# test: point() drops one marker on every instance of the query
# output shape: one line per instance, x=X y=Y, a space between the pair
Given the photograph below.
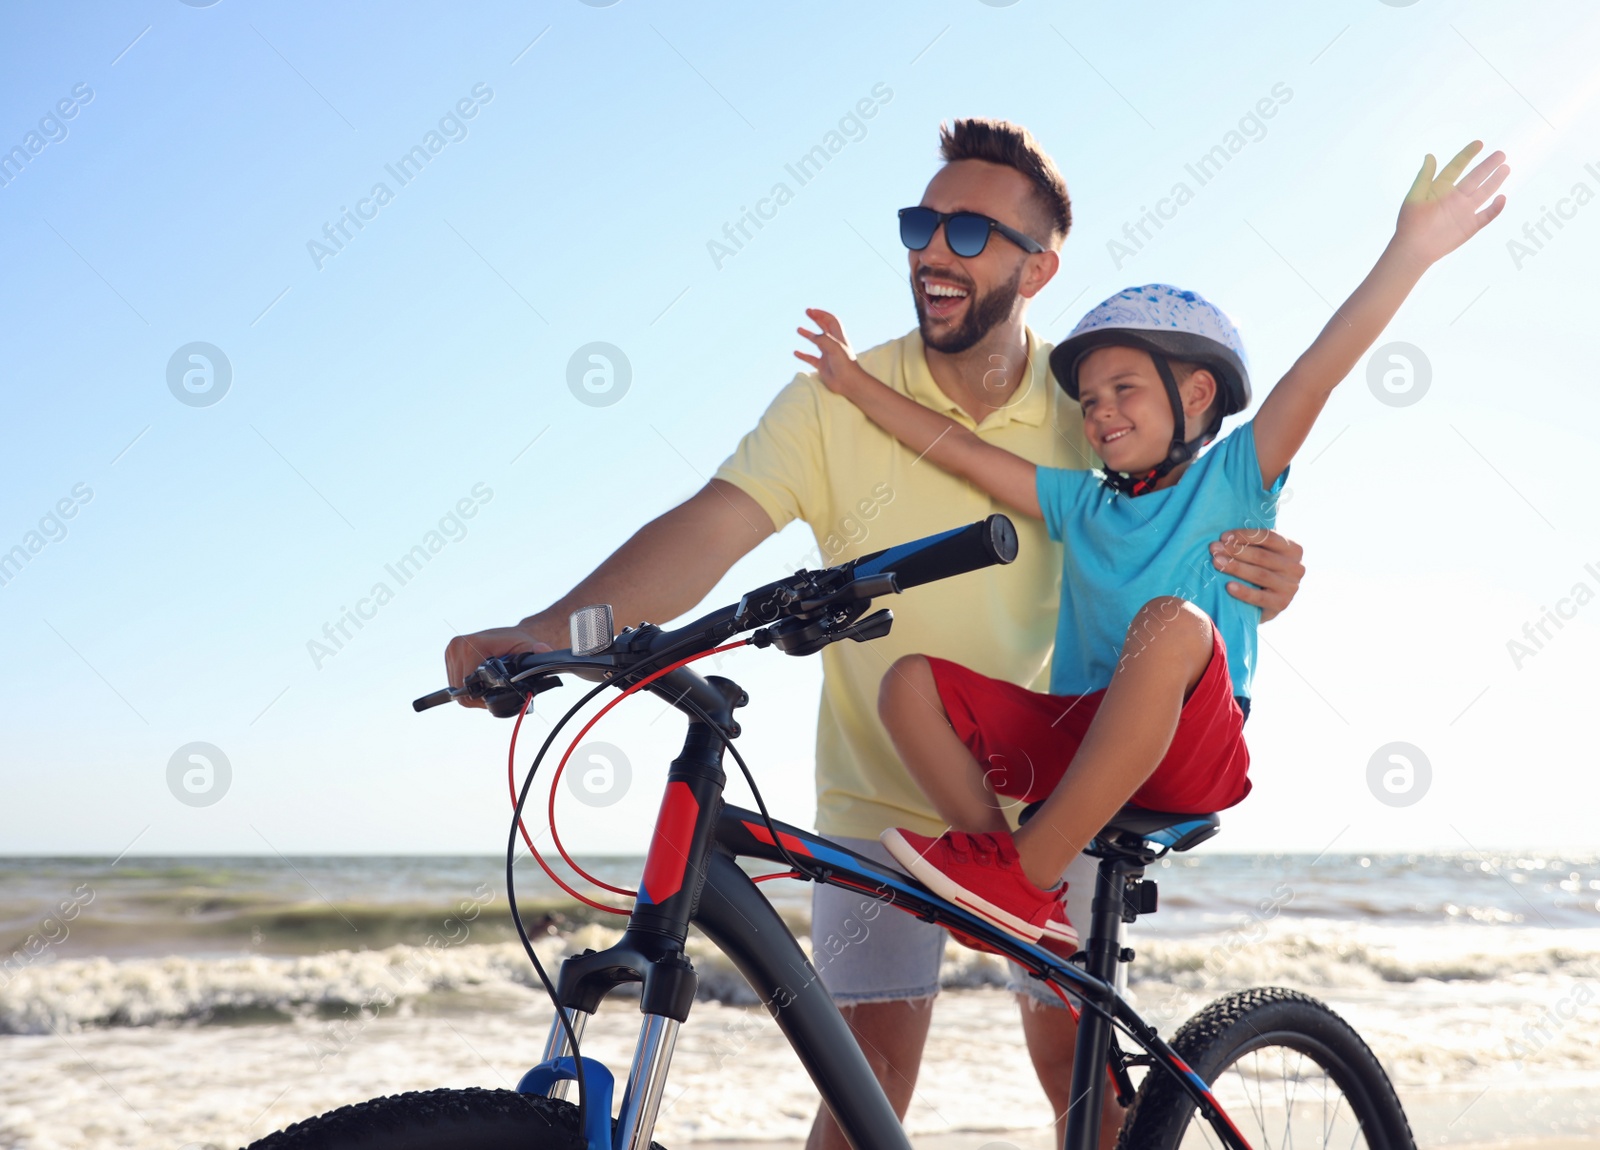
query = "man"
x=815 y=457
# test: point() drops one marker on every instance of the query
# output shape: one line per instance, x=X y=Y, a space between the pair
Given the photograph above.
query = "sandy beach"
x=734 y=1084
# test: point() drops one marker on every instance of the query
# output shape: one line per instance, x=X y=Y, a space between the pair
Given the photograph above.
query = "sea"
x=204 y=1002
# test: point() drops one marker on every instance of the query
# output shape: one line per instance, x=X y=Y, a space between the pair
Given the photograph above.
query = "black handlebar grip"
x=982 y=544
x=434 y=700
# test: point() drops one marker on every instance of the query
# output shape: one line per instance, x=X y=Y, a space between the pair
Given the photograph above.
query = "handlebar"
x=981 y=544
x=799 y=615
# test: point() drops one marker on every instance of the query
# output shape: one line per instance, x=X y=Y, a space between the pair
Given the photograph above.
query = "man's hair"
x=1013 y=146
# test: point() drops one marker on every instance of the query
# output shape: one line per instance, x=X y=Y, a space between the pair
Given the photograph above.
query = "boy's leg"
x=1168 y=647
x=919 y=726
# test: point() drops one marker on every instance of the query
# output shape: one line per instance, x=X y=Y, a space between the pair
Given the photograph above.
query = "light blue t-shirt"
x=1122 y=551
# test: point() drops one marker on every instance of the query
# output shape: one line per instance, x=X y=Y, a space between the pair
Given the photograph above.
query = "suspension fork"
x=556 y=1046
x=651 y=950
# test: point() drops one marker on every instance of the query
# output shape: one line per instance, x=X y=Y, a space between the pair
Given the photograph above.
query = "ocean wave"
x=1347 y=960
x=76 y=994
x=73 y=994
x=152 y=925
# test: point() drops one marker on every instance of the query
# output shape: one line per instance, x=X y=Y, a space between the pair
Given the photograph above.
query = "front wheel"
x=1285 y=1068
x=439 y=1120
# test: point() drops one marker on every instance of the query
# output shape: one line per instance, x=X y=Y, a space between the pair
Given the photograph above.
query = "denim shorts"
x=867 y=951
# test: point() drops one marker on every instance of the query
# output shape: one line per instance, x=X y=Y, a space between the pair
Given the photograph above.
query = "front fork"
x=647 y=1077
x=557 y=1046
x=651 y=949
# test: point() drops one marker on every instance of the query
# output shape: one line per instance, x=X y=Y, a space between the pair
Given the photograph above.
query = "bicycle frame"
x=691 y=876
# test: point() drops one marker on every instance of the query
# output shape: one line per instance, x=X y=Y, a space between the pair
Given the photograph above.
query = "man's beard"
x=984 y=313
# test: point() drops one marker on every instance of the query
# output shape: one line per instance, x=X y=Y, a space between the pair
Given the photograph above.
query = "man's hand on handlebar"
x=465 y=652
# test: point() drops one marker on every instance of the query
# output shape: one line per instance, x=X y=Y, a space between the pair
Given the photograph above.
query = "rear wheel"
x=1285 y=1068
x=439 y=1120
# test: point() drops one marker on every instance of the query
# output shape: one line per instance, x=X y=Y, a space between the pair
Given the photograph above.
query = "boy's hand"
x=835 y=362
x=1440 y=214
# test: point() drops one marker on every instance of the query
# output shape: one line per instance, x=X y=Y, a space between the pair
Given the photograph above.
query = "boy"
x=1143 y=710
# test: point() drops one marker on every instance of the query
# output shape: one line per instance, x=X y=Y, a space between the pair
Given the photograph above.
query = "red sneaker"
x=981 y=873
x=971 y=942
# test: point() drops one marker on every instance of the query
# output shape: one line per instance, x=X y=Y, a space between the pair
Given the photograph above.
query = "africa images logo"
x=199 y=374
x=1399 y=774
x=1398 y=374
x=199 y=774
x=599 y=374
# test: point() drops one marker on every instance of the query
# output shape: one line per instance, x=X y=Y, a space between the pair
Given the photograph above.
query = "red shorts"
x=1025 y=739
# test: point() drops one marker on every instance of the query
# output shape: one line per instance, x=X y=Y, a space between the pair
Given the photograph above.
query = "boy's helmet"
x=1168 y=323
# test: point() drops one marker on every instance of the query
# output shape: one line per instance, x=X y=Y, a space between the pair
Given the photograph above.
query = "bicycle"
x=1324 y=1086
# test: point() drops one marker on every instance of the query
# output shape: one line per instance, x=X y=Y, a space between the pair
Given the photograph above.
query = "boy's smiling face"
x=1126 y=413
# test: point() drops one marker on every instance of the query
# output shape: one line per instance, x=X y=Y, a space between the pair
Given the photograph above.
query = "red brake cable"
x=511 y=769
x=776 y=874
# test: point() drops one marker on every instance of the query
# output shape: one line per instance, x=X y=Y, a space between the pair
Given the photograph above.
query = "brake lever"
x=874 y=626
x=799 y=636
x=494 y=683
x=857 y=590
x=492 y=675
x=437 y=699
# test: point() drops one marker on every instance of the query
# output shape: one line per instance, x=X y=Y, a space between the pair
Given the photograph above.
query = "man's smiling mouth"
x=941 y=297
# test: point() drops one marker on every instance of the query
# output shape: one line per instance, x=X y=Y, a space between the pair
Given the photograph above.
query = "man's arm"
x=1263 y=567
x=941 y=441
x=665 y=569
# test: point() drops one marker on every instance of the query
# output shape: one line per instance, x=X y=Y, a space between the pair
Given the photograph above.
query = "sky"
x=240 y=382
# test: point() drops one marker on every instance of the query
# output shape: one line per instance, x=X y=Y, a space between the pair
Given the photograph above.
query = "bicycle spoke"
x=1327 y=1128
x=1289 y=1094
x=1330 y=1119
x=1258 y=1107
x=1288 y=1111
x=1306 y=1108
x=1287 y=1070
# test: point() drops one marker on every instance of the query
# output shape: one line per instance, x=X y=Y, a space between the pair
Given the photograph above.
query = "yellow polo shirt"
x=815 y=456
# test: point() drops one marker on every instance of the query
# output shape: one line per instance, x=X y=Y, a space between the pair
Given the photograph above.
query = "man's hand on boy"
x=835 y=361
x=1263 y=568
x=1440 y=213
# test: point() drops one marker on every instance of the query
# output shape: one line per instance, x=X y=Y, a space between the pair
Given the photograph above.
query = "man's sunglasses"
x=967 y=233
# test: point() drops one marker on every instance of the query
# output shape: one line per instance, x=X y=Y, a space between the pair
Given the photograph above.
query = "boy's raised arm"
x=942 y=441
x=1438 y=216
